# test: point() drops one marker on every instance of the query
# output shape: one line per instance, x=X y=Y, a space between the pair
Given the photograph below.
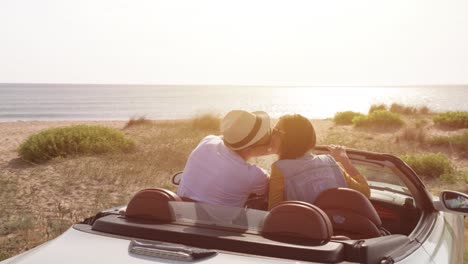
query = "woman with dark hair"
x=300 y=175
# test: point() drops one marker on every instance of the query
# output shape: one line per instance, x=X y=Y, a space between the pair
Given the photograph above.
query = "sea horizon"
x=90 y=102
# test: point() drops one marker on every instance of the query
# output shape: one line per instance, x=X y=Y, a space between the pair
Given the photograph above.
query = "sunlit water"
x=108 y=102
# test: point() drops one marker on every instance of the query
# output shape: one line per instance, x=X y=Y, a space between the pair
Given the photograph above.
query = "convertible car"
x=400 y=223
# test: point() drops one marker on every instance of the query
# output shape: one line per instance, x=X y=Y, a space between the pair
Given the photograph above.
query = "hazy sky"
x=235 y=42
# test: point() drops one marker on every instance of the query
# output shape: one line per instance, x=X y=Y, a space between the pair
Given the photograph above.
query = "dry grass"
x=38 y=202
x=414 y=134
x=458 y=142
x=206 y=122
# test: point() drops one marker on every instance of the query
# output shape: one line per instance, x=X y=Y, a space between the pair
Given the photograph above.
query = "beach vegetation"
x=345 y=118
x=137 y=121
x=403 y=109
x=72 y=140
x=414 y=134
x=377 y=107
x=424 y=110
x=452 y=119
x=206 y=122
x=14 y=223
x=379 y=119
x=456 y=142
x=430 y=165
x=420 y=123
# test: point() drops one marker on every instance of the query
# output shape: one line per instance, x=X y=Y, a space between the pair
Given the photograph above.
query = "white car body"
x=79 y=247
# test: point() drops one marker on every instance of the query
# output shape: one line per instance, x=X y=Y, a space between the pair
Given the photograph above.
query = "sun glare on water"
x=326 y=101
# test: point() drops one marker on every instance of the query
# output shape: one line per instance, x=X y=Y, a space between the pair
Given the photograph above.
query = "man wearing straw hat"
x=217 y=171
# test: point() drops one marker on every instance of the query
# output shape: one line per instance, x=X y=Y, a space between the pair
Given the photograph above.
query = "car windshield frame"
x=415 y=186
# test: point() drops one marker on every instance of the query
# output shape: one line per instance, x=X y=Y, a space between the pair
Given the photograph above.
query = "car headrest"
x=349 y=200
x=152 y=204
x=297 y=222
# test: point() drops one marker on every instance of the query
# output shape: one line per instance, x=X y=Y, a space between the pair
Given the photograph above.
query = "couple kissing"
x=217 y=171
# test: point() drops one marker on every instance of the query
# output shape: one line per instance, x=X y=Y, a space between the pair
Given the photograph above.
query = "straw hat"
x=241 y=129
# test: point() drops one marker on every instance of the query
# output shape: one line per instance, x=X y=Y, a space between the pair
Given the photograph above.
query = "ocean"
x=27 y=102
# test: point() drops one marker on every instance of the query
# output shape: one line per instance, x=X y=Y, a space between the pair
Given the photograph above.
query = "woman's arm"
x=357 y=183
x=352 y=176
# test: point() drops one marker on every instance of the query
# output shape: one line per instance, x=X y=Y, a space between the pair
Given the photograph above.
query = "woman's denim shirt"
x=305 y=178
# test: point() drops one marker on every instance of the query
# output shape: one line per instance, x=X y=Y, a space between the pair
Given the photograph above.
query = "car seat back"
x=152 y=204
x=297 y=222
x=351 y=213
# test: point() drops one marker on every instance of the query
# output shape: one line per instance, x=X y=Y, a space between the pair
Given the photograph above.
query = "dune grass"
x=345 y=118
x=452 y=120
x=401 y=109
x=457 y=142
x=72 y=140
x=382 y=117
x=379 y=120
x=430 y=165
x=424 y=110
x=377 y=107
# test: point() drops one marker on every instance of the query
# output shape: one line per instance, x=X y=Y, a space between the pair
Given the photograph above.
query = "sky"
x=334 y=43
